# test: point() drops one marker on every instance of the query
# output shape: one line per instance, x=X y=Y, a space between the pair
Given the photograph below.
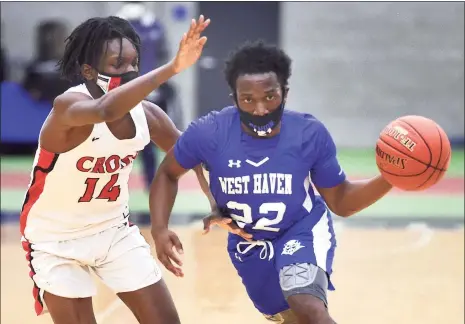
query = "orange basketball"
x=413 y=153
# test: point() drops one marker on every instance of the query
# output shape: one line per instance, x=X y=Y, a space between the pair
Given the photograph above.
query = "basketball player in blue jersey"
x=262 y=159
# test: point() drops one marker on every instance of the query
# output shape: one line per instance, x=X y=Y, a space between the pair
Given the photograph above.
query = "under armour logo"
x=292 y=247
x=236 y=164
x=238 y=257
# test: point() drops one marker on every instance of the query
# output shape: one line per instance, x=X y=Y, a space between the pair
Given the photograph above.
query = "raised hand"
x=191 y=45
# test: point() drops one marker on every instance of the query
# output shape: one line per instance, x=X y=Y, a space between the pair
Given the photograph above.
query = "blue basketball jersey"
x=264 y=183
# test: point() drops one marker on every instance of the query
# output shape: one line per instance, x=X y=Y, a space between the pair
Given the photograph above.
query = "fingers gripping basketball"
x=413 y=153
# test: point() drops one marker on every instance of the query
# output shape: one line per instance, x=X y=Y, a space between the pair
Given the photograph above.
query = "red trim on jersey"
x=38 y=303
x=45 y=164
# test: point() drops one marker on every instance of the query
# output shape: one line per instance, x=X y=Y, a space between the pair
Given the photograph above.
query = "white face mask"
x=111 y=81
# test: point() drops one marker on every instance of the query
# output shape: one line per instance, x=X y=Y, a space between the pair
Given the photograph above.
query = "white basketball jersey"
x=85 y=190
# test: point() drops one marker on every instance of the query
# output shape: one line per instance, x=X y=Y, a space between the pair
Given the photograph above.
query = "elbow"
x=171 y=177
x=165 y=175
x=345 y=213
x=107 y=113
x=198 y=171
x=342 y=211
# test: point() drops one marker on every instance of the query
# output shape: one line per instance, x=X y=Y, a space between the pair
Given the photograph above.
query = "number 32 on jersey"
x=263 y=224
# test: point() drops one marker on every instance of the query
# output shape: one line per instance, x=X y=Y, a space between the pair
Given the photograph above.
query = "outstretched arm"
x=74 y=109
x=343 y=197
x=350 y=197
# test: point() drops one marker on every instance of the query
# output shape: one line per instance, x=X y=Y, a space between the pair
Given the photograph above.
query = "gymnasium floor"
x=401 y=261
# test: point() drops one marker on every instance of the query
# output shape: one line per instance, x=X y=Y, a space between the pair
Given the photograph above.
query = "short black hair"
x=256 y=58
x=85 y=44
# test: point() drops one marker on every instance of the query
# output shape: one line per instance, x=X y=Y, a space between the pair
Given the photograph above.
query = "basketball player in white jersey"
x=75 y=214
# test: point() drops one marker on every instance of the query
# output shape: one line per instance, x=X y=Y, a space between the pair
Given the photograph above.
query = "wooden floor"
x=414 y=275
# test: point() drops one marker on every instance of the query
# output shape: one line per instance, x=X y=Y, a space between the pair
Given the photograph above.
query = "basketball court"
x=410 y=275
x=400 y=262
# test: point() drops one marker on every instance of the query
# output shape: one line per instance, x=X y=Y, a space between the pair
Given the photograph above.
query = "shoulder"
x=308 y=123
x=79 y=89
x=221 y=115
x=228 y=111
x=312 y=125
x=72 y=95
x=303 y=118
x=214 y=120
x=152 y=111
x=68 y=98
x=314 y=134
x=210 y=129
x=224 y=118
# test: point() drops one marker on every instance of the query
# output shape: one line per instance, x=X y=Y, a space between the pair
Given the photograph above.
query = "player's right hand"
x=225 y=223
x=191 y=45
x=166 y=242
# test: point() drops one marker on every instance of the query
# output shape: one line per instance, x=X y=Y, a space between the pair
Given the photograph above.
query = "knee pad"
x=285 y=317
x=304 y=278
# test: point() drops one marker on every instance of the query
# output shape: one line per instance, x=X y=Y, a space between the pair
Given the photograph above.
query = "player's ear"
x=285 y=93
x=88 y=72
x=233 y=97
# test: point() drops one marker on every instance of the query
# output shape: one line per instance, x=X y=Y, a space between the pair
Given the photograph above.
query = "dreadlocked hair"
x=257 y=58
x=85 y=45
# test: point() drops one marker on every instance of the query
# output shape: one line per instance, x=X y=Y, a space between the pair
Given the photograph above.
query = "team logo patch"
x=291 y=247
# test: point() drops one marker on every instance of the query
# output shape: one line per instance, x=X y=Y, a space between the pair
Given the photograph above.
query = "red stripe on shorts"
x=38 y=303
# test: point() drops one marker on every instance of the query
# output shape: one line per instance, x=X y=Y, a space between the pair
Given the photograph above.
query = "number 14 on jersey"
x=110 y=191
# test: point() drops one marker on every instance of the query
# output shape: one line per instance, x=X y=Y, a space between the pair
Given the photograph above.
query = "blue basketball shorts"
x=258 y=263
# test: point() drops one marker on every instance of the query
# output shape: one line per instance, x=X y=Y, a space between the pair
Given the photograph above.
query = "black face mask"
x=262 y=125
x=108 y=82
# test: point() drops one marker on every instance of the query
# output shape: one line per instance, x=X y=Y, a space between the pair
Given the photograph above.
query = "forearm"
x=358 y=195
x=204 y=185
x=119 y=101
x=163 y=193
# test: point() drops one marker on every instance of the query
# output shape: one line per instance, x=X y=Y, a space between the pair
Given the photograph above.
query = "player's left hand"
x=216 y=218
x=191 y=45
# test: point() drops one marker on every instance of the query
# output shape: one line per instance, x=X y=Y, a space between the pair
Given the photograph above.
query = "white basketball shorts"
x=119 y=256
